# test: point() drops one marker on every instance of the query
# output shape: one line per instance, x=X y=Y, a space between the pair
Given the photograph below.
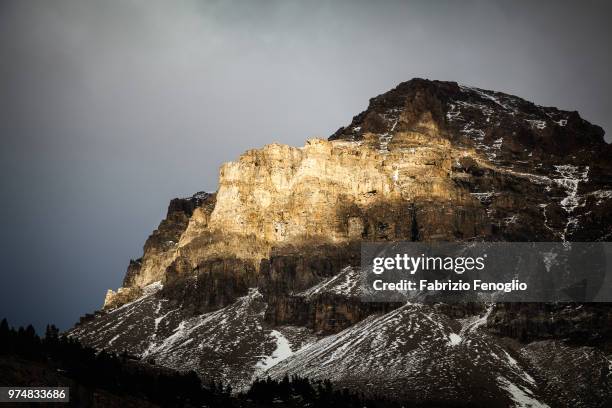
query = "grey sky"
x=110 y=108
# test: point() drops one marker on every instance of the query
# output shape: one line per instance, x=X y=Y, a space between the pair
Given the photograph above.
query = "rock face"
x=161 y=247
x=278 y=245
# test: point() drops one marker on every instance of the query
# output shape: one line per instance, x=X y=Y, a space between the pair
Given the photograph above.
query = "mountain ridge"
x=278 y=244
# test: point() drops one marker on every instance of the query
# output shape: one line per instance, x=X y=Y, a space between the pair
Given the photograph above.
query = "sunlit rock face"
x=278 y=242
x=279 y=199
x=160 y=250
x=427 y=160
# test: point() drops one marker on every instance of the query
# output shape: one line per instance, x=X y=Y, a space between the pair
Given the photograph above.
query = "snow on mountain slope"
x=346 y=283
x=231 y=344
x=417 y=353
x=126 y=328
x=226 y=344
x=567 y=382
x=414 y=352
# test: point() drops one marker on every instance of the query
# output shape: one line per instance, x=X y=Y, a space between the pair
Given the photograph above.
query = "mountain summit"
x=260 y=277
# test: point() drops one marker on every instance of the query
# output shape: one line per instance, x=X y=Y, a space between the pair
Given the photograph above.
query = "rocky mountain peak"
x=504 y=126
x=278 y=246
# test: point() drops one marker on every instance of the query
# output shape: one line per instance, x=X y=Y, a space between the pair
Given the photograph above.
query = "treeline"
x=302 y=392
x=118 y=374
x=126 y=376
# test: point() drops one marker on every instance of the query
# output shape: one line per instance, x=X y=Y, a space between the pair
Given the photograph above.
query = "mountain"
x=260 y=277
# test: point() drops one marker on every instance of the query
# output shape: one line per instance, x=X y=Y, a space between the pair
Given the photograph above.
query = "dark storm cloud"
x=110 y=108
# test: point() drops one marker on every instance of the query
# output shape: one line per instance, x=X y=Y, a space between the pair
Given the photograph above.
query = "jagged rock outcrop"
x=278 y=244
x=161 y=246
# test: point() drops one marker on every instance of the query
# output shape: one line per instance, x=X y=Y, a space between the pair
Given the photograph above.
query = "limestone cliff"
x=160 y=248
x=428 y=160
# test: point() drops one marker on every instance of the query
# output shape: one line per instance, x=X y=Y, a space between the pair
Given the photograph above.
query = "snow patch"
x=282 y=351
x=601 y=195
x=484 y=198
x=395 y=176
x=511 y=220
x=383 y=141
x=569 y=180
x=454 y=339
x=489 y=95
x=472 y=324
x=536 y=123
x=346 y=283
x=497 y=144
x=522 y=397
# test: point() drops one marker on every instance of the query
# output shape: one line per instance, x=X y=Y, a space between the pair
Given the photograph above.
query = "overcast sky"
x=108 y=109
